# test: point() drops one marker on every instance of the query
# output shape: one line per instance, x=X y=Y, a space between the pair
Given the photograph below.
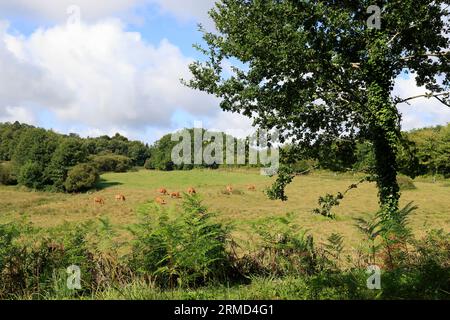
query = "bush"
x=7 y=175
x=285 y=249
x=34 y=262
x=82 y=178
x=405 y=183
x=112 y=163
x=31 y=176
x=186 y=250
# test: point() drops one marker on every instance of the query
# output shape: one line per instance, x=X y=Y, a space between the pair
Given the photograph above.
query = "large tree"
x=320 y=71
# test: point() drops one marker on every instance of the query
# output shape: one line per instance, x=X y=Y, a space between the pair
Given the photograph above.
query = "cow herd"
x=173 y=195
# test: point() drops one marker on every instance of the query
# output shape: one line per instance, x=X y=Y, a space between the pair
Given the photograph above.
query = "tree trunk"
x=386 y=171
x=384 y=133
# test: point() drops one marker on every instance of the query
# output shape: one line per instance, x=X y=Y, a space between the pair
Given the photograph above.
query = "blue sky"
x=119 y=69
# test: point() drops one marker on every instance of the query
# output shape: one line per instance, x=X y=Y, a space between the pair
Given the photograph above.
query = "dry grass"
x=241 y=208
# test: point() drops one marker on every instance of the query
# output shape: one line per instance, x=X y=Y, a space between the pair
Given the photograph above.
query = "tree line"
x=44 y=160
x=421 y=152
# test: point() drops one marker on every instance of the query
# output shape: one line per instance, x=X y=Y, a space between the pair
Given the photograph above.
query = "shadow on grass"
x=105 y=184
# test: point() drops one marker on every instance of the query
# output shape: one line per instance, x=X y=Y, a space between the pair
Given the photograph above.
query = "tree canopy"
x=318 y=72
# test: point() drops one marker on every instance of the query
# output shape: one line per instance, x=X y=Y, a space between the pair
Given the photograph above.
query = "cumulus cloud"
x=419 y=112
x=98 y=75
x=12 y=114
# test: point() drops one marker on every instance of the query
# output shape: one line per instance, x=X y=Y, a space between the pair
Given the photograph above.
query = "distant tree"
x=318 y=73
x=35 y=150
x=69 y=153
x=433 y=149
x=138 y=152
x=81 y=178
x=36 y=145
x=338 y=156
x=31 y=175
x=112 y=163
x=7 y=174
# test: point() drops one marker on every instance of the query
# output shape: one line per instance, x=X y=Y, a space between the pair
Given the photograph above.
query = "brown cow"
x=163 y=191
x=160 y=201
x=99 y=200
x=120 y=197
x=251 y=187
x=55 y=247
x=175 y=195
x=191 y=191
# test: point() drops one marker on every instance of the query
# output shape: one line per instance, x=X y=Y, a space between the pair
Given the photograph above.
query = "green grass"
x=241 y=208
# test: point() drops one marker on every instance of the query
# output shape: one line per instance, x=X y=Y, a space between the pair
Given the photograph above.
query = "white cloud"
x=12 y=114
x=99 y=76
x=56 y=10
x=420 y=112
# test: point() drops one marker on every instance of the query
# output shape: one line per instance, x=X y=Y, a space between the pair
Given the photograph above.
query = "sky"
x=119 y=69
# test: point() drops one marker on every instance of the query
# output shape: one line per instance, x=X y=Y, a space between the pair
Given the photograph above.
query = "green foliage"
x=69 y=153
x=284 y=249
x=185 y=255
x=387 y=234
x=432 y=149
x=33 y=263
x=185 y=250
x=329 y=201
x=332 y=250
x=7 y=174
x=31 y=175
x=161 y=151
x=82 y=177
x=277 y=190
x=339 y=156
x=29 y=148
x=112 y=163
x=317 y=72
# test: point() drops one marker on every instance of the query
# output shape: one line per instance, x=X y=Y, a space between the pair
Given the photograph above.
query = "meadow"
x=142 y=251
x=241 y=209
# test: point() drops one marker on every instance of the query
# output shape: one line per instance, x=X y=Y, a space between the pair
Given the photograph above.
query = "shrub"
x=185 y=250
x=31 y=176
x=284 y=249
x=34 y=262
x=405 y=183
x=7 y=175
x=81 y=178
x=112 y=163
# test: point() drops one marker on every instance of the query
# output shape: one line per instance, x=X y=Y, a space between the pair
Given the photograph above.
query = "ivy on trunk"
x=318 y=72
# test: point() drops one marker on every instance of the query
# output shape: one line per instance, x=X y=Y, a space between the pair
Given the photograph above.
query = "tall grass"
x=185 y=254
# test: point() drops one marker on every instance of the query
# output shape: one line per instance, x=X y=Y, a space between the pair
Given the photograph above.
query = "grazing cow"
x=191 y=191
x=160 y=201
x=251 y=187
x=100 y=201
x=120 y=197
x=229 y=189
x=163 y=191
x=175 y=195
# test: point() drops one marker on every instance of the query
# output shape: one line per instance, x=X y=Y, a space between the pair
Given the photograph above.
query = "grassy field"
x=241 y=209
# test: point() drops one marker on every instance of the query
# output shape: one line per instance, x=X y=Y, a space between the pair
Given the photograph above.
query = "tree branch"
x=445 y=103
x=430 y=54
x=428 y=95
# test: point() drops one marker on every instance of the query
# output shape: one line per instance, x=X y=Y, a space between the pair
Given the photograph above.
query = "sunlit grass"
x=241 y=208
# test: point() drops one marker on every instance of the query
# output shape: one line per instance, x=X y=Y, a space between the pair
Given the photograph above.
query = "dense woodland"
x=45 y=160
